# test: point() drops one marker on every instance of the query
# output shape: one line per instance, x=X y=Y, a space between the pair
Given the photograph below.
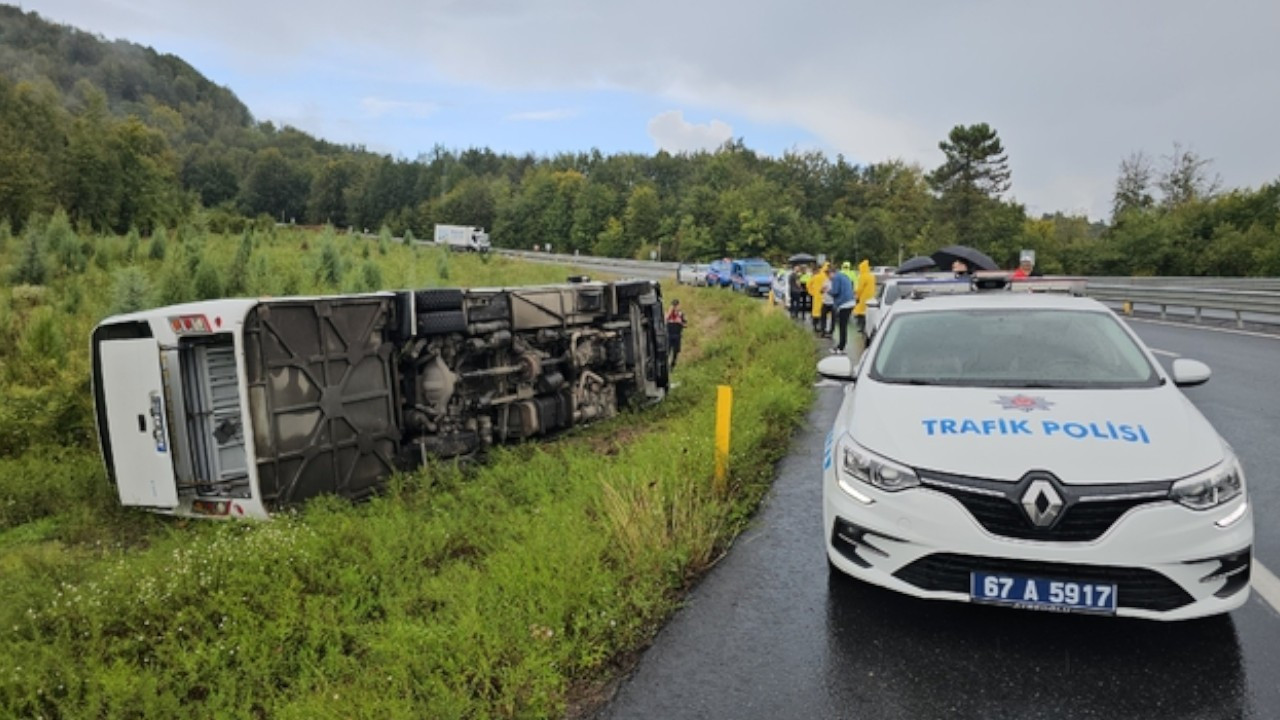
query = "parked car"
x=1026 y=449
x=720 y=273
x=692 y=273
x=752 y=276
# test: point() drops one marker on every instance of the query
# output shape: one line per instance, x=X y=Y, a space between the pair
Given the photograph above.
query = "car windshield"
x=1011 y=348
x=757 y=269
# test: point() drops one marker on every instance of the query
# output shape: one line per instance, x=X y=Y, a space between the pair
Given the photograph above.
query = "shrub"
x=260 y=281
x=330 y=268
x=208 y=281
x=237 y=276
x=61 y=239
x=30 y=269
x=43 y=340
x=159 y=239
x=132 y=242
x=175 y=283
x=384 y=240
x=131 y=291
x=371 y=276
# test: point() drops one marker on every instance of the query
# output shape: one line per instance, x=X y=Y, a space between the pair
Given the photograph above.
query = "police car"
x=1007 y=446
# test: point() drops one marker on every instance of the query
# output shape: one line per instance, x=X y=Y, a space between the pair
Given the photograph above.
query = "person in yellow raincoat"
x=863 y=291
x=815 y=287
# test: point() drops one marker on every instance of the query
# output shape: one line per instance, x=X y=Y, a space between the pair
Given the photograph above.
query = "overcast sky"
x=1072 y=86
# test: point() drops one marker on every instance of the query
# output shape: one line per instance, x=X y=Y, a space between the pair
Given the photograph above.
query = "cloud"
x=543 y=115
x=375 y=107
x=671 y=132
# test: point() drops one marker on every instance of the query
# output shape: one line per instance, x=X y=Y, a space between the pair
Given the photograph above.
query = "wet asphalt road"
x=769 y=634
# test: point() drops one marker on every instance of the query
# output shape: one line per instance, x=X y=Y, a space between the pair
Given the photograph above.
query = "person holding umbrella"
x=970 y=259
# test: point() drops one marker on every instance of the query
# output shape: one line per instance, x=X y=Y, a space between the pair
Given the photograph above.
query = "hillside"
x=135 y=79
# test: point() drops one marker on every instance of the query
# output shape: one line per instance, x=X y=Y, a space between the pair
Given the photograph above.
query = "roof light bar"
x=996 y=281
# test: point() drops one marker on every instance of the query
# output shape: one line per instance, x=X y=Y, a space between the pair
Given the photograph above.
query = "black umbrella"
x=801 y=259
x=976 y=260
x=919 y=263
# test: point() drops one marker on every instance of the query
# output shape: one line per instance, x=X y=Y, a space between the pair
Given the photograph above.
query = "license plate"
x=1041 y=593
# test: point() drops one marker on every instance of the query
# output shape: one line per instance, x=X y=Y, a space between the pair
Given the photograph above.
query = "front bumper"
x=1168 y=562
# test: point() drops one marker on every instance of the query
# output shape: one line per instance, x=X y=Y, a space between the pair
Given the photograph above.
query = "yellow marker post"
x=1128 y=308
x=724 y=411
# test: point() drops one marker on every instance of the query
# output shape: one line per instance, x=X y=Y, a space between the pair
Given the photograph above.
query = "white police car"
x=1026 y=449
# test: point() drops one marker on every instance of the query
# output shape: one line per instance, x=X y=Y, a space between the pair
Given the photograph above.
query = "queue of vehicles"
x=752 y=276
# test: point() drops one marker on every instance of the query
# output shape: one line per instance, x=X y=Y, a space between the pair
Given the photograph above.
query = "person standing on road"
x=842 y=299
x=794 y=290
x=675 y=329
x=806 y=300
x=865 y=291
x=816 y=285
x=846 y=268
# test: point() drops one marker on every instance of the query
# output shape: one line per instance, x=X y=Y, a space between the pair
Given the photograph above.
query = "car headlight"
x=1218 y=485
x=865 y=466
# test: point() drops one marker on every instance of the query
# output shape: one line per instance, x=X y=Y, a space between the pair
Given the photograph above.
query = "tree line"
x=122 y=138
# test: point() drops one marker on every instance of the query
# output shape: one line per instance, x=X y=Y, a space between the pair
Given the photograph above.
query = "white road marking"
x=1166 y=353
x=1266 y=584
x=1229 y=331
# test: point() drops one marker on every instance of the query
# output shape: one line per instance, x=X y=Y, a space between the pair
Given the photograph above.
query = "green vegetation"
x=122 y=137
x=504 y=589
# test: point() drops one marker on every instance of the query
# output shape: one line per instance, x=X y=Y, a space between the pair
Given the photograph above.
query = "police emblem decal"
x=1025 y=403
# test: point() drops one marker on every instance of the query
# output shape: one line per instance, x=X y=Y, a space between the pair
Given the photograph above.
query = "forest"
x=122 y=138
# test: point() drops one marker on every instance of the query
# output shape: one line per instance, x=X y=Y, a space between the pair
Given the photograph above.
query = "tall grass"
x=495 y=590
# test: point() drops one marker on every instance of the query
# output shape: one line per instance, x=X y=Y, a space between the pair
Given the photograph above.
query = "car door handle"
x=142 y=423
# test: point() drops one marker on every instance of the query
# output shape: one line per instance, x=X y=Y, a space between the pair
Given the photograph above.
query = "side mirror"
x=1188 y=372
x=836 y=367
x=873 y=303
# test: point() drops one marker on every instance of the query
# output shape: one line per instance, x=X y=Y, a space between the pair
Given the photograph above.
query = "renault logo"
x=1041 y=503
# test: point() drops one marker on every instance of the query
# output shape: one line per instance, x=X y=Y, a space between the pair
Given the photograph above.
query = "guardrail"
x=1267 y=284
x=1245 y=299
x=588 y=260
x=1261 y=306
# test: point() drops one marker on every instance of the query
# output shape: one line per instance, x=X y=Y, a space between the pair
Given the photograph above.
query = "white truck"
x=462 y=237
x=240 y=407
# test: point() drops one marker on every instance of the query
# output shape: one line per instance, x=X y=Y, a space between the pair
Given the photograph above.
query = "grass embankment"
x=500 y=591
